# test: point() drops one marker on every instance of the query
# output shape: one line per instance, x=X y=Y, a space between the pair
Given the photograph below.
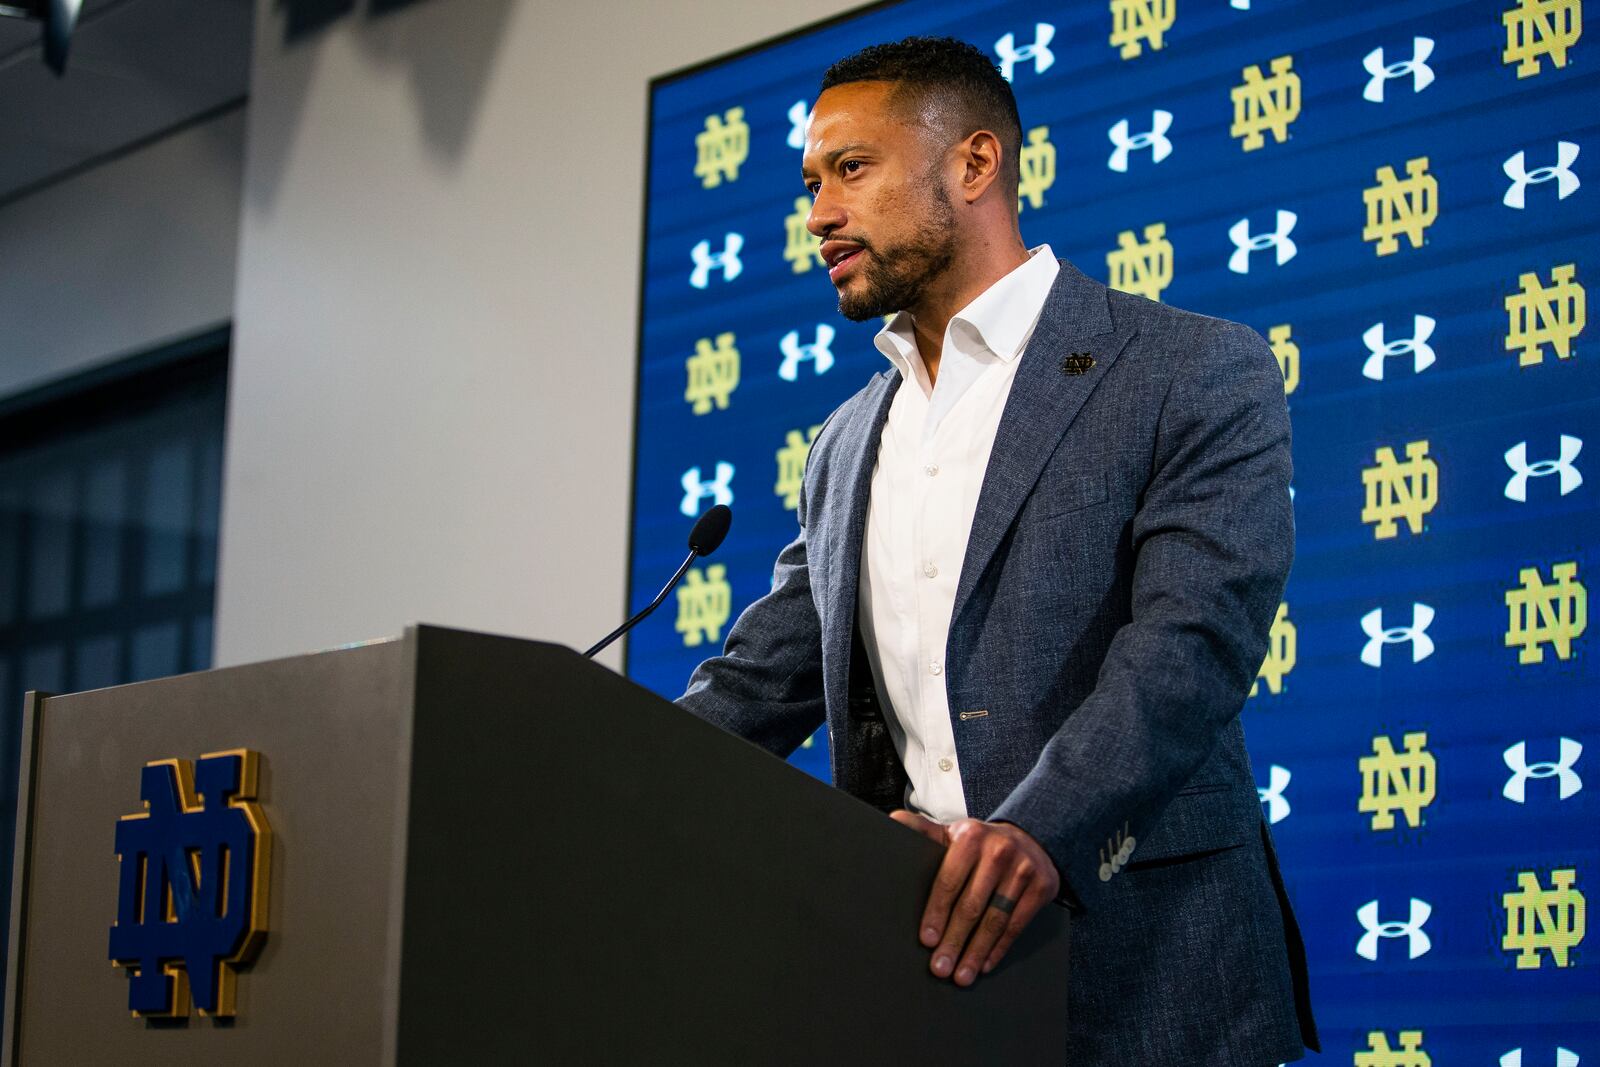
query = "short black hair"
x=954 y=74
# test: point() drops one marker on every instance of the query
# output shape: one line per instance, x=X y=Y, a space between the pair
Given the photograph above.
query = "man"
x=1037 y=562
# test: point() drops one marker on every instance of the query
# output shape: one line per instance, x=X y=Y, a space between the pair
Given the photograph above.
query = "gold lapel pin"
x=1077 y=363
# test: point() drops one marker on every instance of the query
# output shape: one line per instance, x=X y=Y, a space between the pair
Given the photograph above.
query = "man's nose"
x=826 y=215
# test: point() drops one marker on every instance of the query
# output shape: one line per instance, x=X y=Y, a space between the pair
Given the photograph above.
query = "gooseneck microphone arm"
x=653 y=605
x=707 y=534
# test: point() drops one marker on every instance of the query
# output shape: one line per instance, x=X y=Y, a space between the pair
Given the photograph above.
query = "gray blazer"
x=1132 y=540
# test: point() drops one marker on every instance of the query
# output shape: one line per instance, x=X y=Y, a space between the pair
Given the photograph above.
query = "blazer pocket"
x=1072 y=494
x=1201 y=819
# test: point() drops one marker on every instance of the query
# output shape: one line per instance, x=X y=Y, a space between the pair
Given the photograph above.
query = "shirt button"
x=930 y=570
x=946 y=763
x=931 y=469
x=935 y=668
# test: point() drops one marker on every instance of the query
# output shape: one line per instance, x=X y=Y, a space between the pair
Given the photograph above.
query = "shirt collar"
x=1000 y=319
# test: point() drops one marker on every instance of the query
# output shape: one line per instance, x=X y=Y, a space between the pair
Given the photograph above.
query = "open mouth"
x=839 y=262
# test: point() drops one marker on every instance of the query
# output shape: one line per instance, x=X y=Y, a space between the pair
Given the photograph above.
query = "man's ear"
x=981 y=154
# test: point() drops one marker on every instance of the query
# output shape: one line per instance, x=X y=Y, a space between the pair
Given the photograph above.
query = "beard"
x=895 y=277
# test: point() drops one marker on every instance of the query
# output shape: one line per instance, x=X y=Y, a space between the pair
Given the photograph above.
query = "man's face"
x=880 y=206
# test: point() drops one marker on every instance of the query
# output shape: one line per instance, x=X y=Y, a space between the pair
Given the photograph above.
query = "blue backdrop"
x=1397 y=196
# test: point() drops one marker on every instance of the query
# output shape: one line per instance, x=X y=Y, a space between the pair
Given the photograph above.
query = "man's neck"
x=974 y=271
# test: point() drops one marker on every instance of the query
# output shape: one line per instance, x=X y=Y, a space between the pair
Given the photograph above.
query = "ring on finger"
x=1001 y=902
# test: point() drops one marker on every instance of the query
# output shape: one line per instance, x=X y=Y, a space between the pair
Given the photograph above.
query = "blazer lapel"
x=857 y=456
x=1043 y=402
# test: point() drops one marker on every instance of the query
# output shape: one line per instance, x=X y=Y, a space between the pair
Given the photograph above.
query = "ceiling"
x=135 y=69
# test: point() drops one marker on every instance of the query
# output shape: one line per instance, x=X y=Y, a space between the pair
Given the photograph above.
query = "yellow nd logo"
x=1145 y=269
x=1554 y=614
x=1380 y=1054
x=723 y=146
x=801 y=247
x=1397 y=490
x=1288 y=354
x=1280 y=659
x=1393 y=780
x=1134 y=22
x=713 y=373
x=1265 y=104
x=1396 y=208
x=1538 y=316
x=1537 y=28
x=792 y=465
x=704 y=603
x=1539 y=919
x=1037 y=166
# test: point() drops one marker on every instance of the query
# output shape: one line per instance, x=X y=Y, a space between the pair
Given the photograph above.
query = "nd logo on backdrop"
x=192 y=891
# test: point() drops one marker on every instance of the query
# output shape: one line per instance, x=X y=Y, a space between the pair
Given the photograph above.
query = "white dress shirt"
x=931 y=460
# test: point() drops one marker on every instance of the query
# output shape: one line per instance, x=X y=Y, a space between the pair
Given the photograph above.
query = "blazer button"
x=1105 y=872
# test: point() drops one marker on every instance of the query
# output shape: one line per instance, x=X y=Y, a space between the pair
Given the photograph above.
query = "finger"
x=1034 y=897
x=922 y=824
x=959 y=859
x=998 y=916
x=997 y=855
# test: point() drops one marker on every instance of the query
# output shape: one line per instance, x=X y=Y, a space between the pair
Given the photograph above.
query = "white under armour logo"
x=1367 y=915
x=1416 y=346
x=726 y=260
x=1039 y=51
x=1272 y=796
x=1155 y=139
x=1516 y=758
x=795 y=353
x=799 y=121
x=1245 y=243
x=1378 y=636
x=1516 y=169
x=1416 y=66
x=720 y=489
x=1517 y=460
x=1565 y=1057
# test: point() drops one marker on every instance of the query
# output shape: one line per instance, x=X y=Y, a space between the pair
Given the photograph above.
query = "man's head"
x=911 y=155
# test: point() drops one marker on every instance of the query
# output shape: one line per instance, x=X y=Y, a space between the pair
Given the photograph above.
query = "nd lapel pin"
x=1077 y=363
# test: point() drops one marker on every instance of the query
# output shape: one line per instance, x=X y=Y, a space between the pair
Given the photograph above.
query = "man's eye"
x=850 y=166
x=813 y=188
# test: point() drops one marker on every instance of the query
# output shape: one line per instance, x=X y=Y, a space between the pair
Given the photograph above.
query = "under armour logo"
x=1378 y=636
x=720 y=489
x=1416 y=346
x=1517 y=460
x=1416 y=66
x=726 y=260
x=1272 y=795
x=1412 y=929
x=799 y=121
x=817 y=352
x=1245 y=243
x=1516 y=169
x=1038 y=51
x=1155 y=139
x=1565 y=1057
x=1516 y=758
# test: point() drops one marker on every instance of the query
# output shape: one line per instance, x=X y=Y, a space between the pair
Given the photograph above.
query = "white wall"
x=123 y=257
x=432 y=390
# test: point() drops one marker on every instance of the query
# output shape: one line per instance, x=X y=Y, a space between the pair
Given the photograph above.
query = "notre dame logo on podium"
x=192 y=897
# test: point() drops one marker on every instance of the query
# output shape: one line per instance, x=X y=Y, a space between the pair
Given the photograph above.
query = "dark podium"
x=472 y=849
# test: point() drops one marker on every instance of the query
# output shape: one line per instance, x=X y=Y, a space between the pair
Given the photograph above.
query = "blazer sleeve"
x=1213 y=542
x=767 y=685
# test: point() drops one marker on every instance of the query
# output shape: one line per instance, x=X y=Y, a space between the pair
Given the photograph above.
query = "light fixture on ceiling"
x=58 y=16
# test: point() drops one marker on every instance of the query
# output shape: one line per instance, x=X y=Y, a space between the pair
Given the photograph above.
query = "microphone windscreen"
x=710 y=529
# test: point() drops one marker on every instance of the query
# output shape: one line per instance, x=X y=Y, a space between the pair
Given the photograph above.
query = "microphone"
x=707 y=535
